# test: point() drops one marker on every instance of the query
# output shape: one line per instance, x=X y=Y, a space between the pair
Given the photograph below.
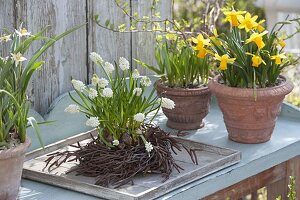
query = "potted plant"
x=128 y=143
x=15 y=73
x=249 y=87
x=184 y=71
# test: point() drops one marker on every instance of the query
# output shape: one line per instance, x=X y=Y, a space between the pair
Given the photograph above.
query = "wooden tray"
x=210 y=159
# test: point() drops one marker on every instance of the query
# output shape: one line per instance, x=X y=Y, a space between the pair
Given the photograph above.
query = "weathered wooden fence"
x=69 y=57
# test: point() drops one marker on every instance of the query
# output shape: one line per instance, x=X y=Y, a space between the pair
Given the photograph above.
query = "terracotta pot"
x=191 y=106
x=248 y=120
x=11 y=165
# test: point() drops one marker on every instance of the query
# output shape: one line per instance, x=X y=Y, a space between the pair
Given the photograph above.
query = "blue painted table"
x=256 y=158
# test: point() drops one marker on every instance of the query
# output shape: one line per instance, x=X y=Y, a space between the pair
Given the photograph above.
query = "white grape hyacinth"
x=92 y=122
x=72 y=108
x=78 y=85
x=115 y=142
x=102 y=82
x=137 y=91
x=167 y=103
x=135 y=74
x=107 y=92
x=96 y=58
x=139 y=117
x=124 y=63
x=145 y=81
x=95 y=80
x=92 y=93
x=108 y=67
x=148 y=147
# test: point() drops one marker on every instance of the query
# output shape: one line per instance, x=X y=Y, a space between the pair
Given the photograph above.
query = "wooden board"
x=210 y=158
x=66 y=59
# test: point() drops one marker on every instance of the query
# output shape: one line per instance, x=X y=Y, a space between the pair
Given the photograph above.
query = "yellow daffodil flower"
x=18 y=57
x=201 y=41
x=5 y=38
x=259 y=27
x=224 y=60
x=281 y=41
x=232 y=17
x=278 y=58
x=215 y=39
x=257 y=39
x=247 y=22
x=256 y=60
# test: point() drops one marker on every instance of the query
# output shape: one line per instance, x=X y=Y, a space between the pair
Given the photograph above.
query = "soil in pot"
x=191 y=106
x=11 y=165
x=250 y=119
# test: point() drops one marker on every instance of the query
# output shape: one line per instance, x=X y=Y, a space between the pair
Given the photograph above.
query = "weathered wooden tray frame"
x=229 y=157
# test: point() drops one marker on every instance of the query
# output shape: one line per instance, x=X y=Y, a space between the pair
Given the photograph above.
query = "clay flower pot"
x=191 y=106
x=11 y=165
x=248 y=120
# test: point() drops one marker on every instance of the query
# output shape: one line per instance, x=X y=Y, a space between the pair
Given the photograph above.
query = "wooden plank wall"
x=69 y=57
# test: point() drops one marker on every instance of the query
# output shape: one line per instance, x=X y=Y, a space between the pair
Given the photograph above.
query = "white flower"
x=92 y=121
x=148 y=146
x=102 y=82
x=96 y=58
x=137 y=91
x=139 y=131
x=145 y=81
x=78 y=85
x=5 y=38
x=166 y=103
x=139 y=117
x=18 y=57
x=95 y=80
x=123 y=63
x=93 y=93
x=22 y=32
x=115 y=142
x=108 y=67
x=135 y=74
x=72 y=108
x=107 y=92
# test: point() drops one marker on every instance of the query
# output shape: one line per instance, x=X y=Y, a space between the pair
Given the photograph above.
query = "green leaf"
x=36 y=128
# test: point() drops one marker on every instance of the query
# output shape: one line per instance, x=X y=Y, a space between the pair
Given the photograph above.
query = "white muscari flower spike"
x=18 y=57
x=22 y=32
x=96 y=58
x=92 y=122
x=108 y=67
x=166 y=103
x=78 y=85
x=148 y=147
x=107 y=92
x=5 y=38
x=102 y=82
x=115 y=142
x=145 y=81
x=139 y=117
x=95 y=80
x=135 y=74
x=72 y=108
x=92 y=93
x=137 y=91
x=124 y=63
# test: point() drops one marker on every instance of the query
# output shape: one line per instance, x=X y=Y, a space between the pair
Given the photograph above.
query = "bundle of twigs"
x=117 y=166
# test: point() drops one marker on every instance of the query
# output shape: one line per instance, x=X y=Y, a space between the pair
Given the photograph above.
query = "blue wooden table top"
x=284 y=145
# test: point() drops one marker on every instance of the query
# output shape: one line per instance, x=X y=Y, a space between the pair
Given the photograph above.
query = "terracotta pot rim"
x=16 y=151
x=181 y=91
x=221 y=89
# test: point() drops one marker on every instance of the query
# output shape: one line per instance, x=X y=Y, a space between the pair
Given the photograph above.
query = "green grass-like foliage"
x=15 y=74
x=178 y=64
